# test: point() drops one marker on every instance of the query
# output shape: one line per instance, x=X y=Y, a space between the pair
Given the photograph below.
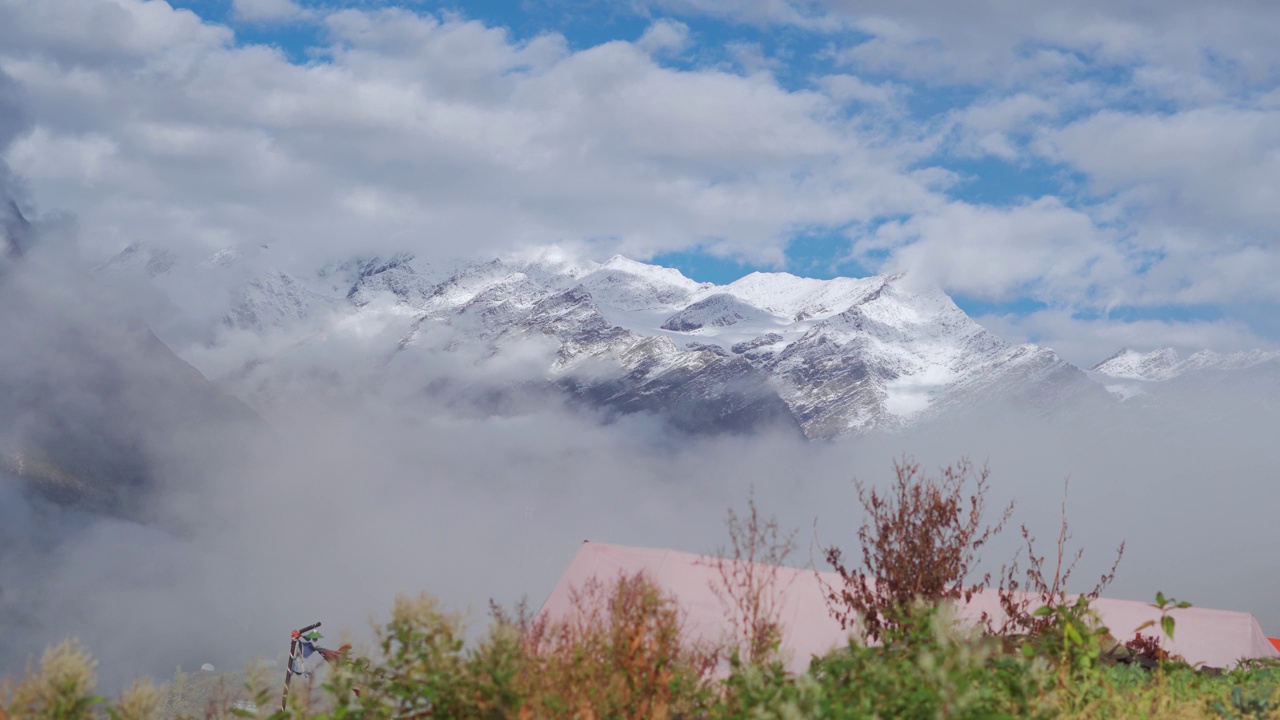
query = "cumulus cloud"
x=1039 y=248
x=266 y=10
x=850 y=88
x=983 y=41
x=437 y=135
x=990 y=128
x=800 y=13
x=440 y=135
x=1155 y=115
x=664 y=36
x=1087 y=341
x=1210 y=167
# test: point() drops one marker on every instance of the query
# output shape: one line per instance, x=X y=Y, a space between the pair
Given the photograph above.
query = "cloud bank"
x=364 y=482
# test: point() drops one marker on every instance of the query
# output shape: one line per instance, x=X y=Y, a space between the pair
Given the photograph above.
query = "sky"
x=1087 y=176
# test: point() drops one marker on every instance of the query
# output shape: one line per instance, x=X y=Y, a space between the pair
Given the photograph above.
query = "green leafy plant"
x=1166 y=621
x=1240 y=705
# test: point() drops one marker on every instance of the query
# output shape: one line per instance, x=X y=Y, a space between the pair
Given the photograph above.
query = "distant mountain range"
x=1167 y=364
x=825 y=357
x=1229 y=382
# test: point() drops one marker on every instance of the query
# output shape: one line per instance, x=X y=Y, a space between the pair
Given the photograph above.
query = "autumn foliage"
x=919 y=542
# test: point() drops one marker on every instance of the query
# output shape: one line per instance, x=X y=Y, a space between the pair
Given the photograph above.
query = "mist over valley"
x=304 y=305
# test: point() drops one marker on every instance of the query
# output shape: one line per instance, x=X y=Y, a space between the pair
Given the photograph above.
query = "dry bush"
x=1042 y=587
x=140 y=702
x=61 y=688
x=746 y=581
x=618 y=654
x=919 y=541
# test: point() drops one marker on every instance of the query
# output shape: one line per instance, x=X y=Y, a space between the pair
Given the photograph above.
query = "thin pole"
x=295 y=639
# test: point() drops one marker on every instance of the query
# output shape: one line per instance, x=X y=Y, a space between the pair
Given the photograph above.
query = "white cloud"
x=850 y=88
x=991 y=127
x=664 y=36
x=1086 y=342
x=446 y=136
x=1196 y=187
x=991 y=40
x=1210 y=166
x=268 y=11
x=138 y=36
x=1040 y=248
x=800 y=13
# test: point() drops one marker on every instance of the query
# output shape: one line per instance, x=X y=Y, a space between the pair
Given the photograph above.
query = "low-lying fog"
x=359 y=486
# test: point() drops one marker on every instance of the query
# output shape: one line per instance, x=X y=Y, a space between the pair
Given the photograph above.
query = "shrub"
x=619 y=654
x=933 y=667
x=1040 y=587
x=60 y=689
x=63 y=687
x=420 y=671
x=746 y=582
x=919 y=541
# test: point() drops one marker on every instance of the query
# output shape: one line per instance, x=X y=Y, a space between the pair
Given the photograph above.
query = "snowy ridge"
x=141 y=258
x=1167 y=364
x=830 y=357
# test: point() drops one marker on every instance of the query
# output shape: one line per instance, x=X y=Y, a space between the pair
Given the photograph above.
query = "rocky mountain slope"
x=92 y=402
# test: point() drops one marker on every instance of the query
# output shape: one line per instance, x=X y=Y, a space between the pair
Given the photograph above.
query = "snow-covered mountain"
x=1164 y=376
x=829 y=357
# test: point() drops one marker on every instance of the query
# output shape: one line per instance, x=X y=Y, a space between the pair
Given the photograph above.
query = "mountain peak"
x=1130 y=364
x=141 y=257
x=620 y=263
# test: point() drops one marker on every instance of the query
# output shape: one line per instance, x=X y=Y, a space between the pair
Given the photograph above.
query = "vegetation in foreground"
x=621 y=653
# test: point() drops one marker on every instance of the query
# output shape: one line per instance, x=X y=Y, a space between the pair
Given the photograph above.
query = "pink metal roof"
x=1218 y=638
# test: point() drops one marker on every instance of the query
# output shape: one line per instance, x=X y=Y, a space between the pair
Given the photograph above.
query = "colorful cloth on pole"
x=307 y=646
x=308 y=642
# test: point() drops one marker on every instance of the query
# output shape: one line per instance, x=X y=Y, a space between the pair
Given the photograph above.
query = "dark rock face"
x=703 y=347
x=92 y=427
x=16 y=235
x=724 y=396
x=749 y=345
